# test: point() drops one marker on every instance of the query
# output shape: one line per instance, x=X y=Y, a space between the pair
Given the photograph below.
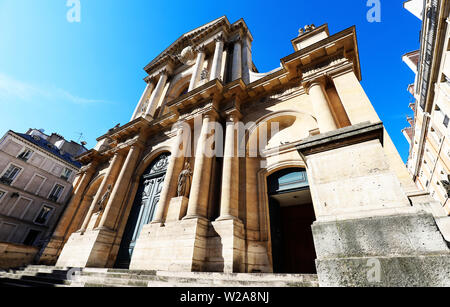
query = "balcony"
x=23 y=158
x=66 y=178
x=53 y=198
x=6 y=180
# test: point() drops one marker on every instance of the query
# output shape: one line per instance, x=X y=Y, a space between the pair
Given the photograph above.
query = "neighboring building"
x=429 y=131
x=159 y=194
x=36 y=176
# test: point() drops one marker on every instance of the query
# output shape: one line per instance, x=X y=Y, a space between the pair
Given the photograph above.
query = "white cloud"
x=11 y=88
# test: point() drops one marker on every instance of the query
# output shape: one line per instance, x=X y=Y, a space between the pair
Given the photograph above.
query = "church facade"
x=225 y=169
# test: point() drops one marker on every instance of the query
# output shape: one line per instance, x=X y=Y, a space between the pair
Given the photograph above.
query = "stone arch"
x=178 y=85
x=293 y=126
x=148 y=159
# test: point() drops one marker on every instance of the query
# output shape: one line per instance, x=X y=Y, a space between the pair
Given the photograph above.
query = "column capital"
x=150 y=80
x=321 y=80
x=211 y=114
x=201 y=49
x=219 y=38
x=233 y=115
x=165 y=71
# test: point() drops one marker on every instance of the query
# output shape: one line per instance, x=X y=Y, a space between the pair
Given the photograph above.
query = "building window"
x=31 y=237
x=25 y=154
x=1 y=195
x=56 y=192
x=66 y=174
x=446 y=119
x=44 y=215
x=10 y=174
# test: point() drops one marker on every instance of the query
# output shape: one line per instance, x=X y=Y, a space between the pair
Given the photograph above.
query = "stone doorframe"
x=130 y=197
x=263 y=198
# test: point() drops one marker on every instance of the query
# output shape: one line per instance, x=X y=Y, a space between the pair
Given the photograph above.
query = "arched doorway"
x=144 y=207
x=291 y=216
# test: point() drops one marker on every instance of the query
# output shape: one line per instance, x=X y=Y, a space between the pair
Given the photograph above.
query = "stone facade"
x=36 y=176
x=428 y=134
x=301 y=142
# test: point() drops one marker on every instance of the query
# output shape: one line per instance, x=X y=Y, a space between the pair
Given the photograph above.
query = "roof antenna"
x=80 y=136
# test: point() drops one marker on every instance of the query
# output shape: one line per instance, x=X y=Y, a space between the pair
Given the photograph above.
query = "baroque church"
x=225 y=169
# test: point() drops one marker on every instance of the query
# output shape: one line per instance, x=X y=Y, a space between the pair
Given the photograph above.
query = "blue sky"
x=86 y=77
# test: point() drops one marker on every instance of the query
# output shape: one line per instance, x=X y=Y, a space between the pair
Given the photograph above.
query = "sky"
x=80 y=79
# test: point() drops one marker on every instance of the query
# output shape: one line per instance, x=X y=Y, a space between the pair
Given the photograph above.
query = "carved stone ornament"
x=187 y=56
x=160 y=165
x=204 y=75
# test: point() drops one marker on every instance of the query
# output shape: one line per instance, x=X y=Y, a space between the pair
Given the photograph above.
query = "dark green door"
x=143 y=209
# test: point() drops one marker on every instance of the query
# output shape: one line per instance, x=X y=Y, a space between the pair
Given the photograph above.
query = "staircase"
x=46 y=276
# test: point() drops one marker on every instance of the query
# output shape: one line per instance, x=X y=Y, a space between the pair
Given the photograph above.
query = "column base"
x=227 y=249
x=227 y=218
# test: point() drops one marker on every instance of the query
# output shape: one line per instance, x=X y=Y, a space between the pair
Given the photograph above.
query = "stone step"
x=144 y=281
x=26 y=283
x=46 y=276
x=256 y=277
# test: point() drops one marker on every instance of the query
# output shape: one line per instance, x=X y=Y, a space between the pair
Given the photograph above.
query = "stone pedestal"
x=226 y=252
x=176 y=246
x=94 y=221
x=367 y=233
x=177 y=208
x=91 y=249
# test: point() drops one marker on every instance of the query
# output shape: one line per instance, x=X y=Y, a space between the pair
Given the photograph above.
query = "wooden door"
x=299 y=252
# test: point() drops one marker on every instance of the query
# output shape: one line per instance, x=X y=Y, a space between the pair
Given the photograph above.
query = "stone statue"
x=104 y=198
x=184 y=181
x=446 y=185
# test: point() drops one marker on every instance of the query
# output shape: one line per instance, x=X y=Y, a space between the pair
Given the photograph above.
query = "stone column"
x=100 y=191
x=230 y=174
x=321 y=106
x=217 y=60
x=247 y=62
x=74 y=203
x=148 y=89
x=156 y=95
x=237 y=60
x=198 y=199
x=197 y=68
x=120 y=188
x=170 y=181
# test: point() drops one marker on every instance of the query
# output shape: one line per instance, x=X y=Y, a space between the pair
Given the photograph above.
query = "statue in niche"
x=104 y=198
x=446 y=185
x=184 y=181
